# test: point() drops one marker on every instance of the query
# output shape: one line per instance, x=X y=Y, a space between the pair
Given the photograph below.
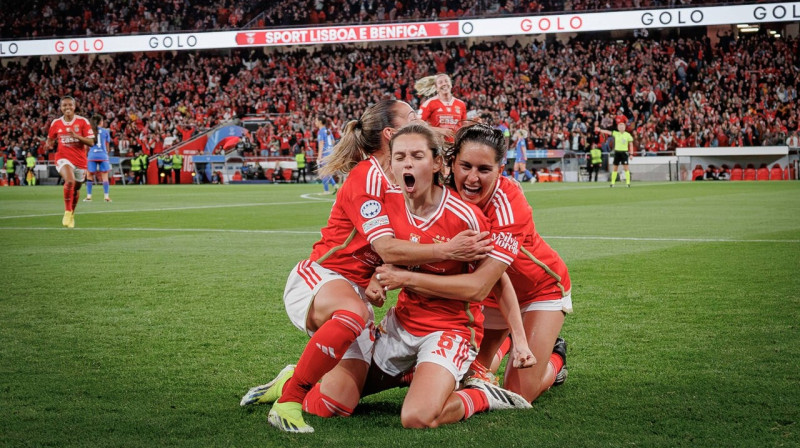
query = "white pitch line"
x=164 y=209
x=593 y=186
x=306 y=232
x=312 y=196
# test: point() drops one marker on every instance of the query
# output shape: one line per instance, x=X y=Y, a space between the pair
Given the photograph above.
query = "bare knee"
x=355 y=307
x=418 y=416
x=415 y=421
x=362 y=312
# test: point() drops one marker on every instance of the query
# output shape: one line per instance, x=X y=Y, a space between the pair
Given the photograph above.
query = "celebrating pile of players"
x=426 y=211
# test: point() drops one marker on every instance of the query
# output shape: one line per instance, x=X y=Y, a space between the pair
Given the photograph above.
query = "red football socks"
x=474 y=401
x=76 y=196
x=324 y=406
x=556 y=363
x=322 y=353
x=69 y=194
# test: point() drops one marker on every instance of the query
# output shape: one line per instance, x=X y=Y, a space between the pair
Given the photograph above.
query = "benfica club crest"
x=77 y=128
x=414 y=238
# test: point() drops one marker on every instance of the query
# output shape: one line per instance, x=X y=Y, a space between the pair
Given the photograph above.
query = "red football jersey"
x=69 y=147
x=538 y=272
x=357 y=218
x=441 y=115
x=422 y=315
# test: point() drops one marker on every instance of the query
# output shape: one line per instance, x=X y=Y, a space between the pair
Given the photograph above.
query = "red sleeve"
x=364 y=206
x=52 y=132
x=508 y=229
x=86 y=129
x=426 y=111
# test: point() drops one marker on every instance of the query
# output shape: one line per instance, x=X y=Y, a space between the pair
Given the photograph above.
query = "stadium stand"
x=673 y=92
x=41 y=18
x=153 y=100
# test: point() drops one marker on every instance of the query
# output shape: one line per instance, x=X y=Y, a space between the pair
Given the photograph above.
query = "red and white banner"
x=504 y=26
x=354 y=33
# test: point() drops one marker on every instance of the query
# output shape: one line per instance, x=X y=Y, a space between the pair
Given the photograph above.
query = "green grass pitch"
x=144 y=325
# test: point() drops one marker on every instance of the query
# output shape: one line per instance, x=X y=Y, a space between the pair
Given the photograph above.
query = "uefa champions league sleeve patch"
x=375 y=222
x=370 y=209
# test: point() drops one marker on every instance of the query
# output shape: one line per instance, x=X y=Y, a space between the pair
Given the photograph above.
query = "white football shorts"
x=305 y=280
x=397 y=351
x=80 y=174
x=493 y=319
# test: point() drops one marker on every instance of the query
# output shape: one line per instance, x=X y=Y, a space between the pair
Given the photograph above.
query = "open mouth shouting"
x=409 y=181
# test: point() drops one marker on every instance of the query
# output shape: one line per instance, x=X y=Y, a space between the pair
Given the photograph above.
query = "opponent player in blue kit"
x=98 y=161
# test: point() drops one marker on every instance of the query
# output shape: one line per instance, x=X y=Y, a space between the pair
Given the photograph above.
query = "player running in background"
x=72 y=134
x=538 y=273
x=443 y=112
x=520 y=155
x=98 y=161
x=623 y=145
x=325 y=144
x=325 y=295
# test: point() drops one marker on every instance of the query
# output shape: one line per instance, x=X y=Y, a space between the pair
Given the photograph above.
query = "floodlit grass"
x=145 y=324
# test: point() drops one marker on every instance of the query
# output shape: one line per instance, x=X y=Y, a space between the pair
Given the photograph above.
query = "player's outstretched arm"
x=521 y=355
x=602 y=131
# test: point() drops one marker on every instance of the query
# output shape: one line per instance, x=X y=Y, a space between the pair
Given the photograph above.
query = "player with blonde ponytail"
x=442 y=110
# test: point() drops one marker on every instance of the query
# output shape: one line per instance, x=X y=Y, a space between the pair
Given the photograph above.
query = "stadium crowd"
x=671 y=92
x=44 y=18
